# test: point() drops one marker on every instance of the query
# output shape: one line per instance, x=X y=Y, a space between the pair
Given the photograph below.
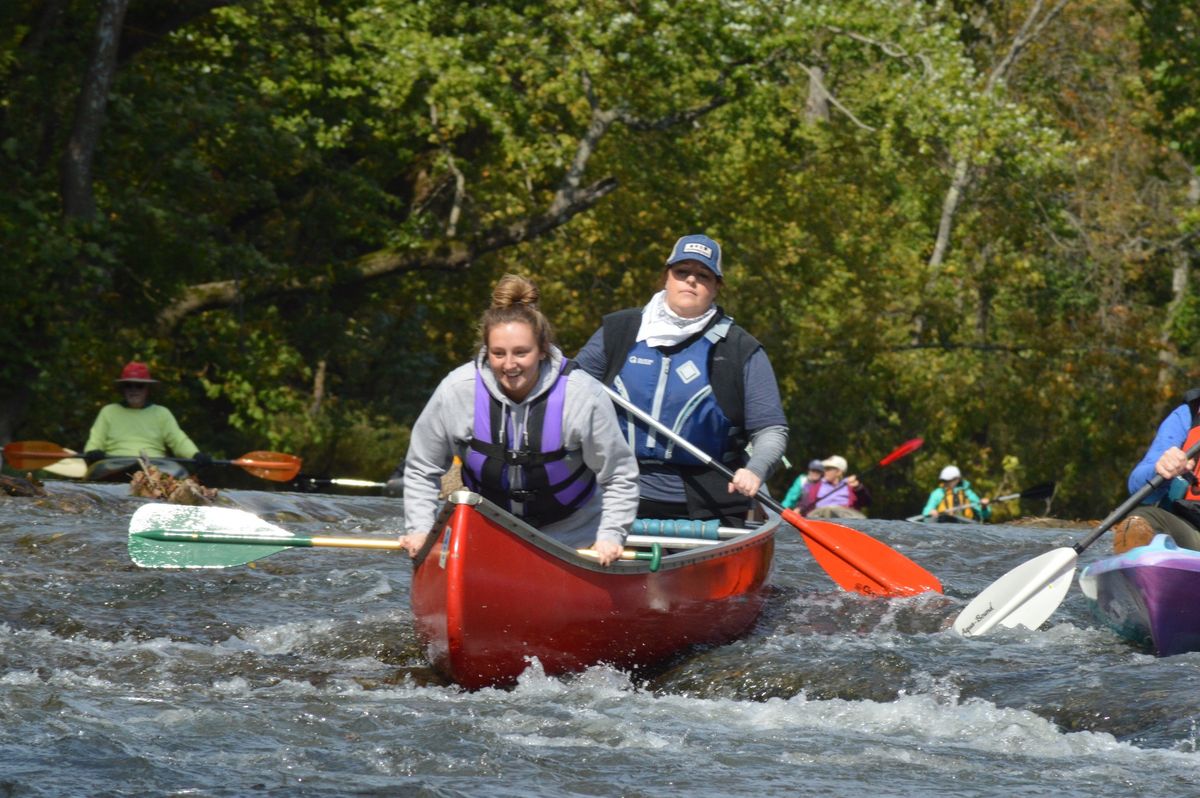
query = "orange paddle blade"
x=859 y=562
x=275 y=466
x=903 y=450
x=34 y=454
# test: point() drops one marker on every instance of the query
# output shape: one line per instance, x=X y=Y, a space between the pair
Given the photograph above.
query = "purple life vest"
x=549 y=490
x=839 y=496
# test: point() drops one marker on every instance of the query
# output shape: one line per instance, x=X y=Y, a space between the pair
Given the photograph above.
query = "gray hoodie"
x=590 y=434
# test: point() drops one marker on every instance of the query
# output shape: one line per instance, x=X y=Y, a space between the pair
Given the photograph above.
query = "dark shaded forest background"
x=973 y=222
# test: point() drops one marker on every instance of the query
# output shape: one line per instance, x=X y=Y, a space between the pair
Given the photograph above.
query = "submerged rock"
x=21 y=486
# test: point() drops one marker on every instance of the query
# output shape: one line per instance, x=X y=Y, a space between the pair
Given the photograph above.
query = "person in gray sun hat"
x=802 y=489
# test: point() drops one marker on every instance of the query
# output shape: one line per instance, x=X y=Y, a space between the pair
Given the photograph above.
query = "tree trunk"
x=12 y=410
x=79 y=201
x=1035 y=23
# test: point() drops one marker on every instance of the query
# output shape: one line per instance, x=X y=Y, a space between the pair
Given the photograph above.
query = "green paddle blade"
x=179 y=536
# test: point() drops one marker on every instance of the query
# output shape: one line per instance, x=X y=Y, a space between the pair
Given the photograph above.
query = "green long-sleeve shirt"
x=121 y=431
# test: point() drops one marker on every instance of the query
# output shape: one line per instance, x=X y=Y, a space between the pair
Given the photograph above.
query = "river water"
x=302 y=676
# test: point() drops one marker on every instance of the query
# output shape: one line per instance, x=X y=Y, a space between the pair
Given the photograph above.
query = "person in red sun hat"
x=136 y=425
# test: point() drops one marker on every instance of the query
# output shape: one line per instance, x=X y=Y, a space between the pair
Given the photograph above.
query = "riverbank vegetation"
x=973 y=222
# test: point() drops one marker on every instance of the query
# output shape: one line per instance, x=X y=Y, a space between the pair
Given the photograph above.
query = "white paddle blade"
x=185 y=518
x=73 y=468
x=1025 y=596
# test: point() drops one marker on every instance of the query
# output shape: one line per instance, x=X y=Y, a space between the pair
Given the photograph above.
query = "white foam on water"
x=280 y=639
x=383 y=587
x=603 y=701
x=80 y=646
x=20 y=678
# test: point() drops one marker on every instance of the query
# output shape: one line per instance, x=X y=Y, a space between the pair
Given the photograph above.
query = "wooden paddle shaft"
x=390 y=544
x=258 y=538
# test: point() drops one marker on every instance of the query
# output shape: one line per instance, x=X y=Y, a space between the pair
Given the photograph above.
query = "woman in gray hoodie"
x=535 y=434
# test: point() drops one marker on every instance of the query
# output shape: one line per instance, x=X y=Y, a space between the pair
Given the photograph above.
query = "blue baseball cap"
x=701 y=249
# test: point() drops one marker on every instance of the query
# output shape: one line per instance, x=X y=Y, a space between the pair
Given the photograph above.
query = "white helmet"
x=949 y=472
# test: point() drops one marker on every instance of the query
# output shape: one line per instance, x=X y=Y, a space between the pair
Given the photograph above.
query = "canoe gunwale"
x=681 y=558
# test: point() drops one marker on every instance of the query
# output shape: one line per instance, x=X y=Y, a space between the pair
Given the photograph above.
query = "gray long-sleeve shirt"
x=591 y=433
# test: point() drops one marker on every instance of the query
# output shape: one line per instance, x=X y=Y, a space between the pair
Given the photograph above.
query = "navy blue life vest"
x=706 y=490
x=548 y=490
x=727 y=358
x=677 y=390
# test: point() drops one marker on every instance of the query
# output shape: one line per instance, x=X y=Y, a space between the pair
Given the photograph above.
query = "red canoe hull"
x=490 y=593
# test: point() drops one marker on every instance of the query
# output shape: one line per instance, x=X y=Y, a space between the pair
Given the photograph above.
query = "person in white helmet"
x=953 y=499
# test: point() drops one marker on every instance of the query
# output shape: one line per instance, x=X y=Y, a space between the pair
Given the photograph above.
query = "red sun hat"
x=135 y=372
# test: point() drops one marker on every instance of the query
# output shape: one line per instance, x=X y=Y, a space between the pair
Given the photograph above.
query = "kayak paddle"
x=1030 y=593
x=275 y=466
x=43 y=455
x=903 y=450
x=1043 y=491
x=182 y=536
x=853 y=559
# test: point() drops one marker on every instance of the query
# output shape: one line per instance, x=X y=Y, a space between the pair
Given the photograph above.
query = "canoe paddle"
x=182 y=536
x=854 y=560
x=275 y=466
x=1043 y=491
x=1030 y=593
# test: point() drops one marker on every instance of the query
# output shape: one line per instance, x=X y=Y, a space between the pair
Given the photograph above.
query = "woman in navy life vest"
x=683 y=360
x=536 y=435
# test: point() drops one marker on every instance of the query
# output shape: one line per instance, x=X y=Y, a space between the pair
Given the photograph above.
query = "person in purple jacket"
x=836 y=495
x=1174 y=508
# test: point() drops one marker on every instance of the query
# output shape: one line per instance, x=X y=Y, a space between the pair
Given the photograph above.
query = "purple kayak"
x=1148 y=595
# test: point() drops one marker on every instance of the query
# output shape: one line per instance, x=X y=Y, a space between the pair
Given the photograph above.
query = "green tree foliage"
x=1169 y=38
x=957 y=220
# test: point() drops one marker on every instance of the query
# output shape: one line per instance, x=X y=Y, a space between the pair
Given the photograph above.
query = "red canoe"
x=490 y=592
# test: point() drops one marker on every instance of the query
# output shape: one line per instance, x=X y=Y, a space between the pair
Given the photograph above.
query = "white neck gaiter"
x=661 y=326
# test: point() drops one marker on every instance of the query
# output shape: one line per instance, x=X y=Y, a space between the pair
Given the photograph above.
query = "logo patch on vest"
x=640 y=361
x=687 y=372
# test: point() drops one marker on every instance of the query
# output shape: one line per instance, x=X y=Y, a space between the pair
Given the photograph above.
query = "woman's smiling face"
x=515 y=357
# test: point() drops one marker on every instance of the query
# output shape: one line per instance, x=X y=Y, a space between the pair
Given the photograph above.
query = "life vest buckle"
x=516 y=456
